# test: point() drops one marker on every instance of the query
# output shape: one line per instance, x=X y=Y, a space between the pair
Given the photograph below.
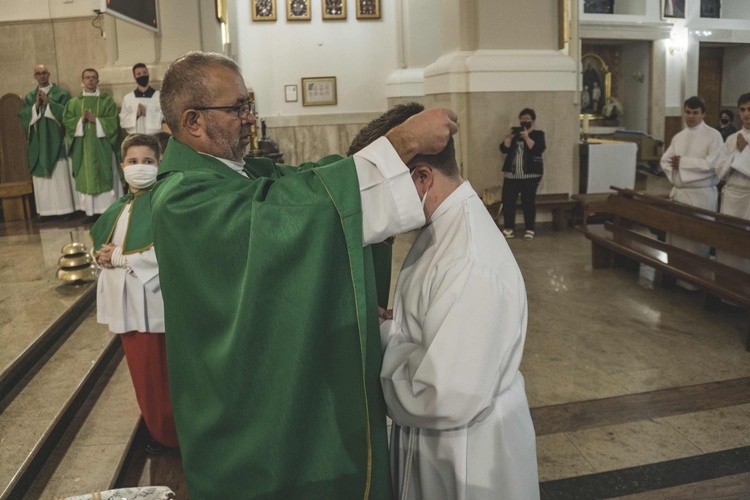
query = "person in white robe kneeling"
x=452 y=346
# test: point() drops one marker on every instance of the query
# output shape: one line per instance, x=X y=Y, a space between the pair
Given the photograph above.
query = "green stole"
x=45 y=139
x=92 y=156
x=138 y=236
x=273 y=341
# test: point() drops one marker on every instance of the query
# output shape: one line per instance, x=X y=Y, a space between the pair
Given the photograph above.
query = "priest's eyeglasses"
x=247 y=107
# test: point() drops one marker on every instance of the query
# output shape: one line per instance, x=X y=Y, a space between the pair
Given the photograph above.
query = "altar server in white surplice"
x=733 y=167
x=141 y=111
x=452 y=346
x=688 y=166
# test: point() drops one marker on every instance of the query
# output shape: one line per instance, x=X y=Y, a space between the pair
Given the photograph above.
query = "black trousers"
x=527 y=189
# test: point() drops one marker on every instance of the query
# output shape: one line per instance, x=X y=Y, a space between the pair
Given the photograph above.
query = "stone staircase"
x=68 y=413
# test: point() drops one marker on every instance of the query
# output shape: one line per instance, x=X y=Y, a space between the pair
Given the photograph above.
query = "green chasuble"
x=92 y=155
x=273 y=342
x=45 y=139
x=138 y=237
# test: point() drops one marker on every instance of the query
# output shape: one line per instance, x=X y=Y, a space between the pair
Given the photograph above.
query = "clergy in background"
x=42 y=118
x=452 y=347
x=128 y=294
x=141 y=111
x=733 y=167
x=687 y=164
x=269 y=288
x=90 y=120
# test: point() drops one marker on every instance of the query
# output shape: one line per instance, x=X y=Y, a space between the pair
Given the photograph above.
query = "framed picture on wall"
x=673 y=9
x=319 y=91
x=368 y=9
x=297 y=10
x=263 y=10
x=333 y=9
x=711 y=8
x=599 y=6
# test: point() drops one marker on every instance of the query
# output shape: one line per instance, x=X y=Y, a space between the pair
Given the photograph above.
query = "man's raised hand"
x=425 y=133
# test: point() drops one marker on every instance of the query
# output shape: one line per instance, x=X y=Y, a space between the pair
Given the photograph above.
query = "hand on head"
x=425 y=133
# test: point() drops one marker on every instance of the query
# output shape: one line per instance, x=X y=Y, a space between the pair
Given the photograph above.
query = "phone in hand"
x=516 y=130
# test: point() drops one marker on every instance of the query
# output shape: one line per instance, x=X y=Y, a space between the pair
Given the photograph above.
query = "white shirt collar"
x=237 y=166
x=700 y=125
x=91 y=94
x=46 y=89
x=457 y=196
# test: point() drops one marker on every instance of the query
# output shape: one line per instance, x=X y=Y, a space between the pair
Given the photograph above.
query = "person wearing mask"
x=726 y=124
x=523 y=169
x=141 y=112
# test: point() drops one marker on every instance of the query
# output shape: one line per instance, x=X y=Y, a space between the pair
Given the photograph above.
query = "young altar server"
x=129 y=294
x=452 y=347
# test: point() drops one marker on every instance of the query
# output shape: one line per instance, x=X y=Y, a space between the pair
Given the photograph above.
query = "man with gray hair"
x=269 y=294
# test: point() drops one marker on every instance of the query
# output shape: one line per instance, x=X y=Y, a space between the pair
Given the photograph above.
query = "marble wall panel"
x=79 y=46
x=310 y=142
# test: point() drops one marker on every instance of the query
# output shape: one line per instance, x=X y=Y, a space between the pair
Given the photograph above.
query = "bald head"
x=41 y=75
x=189 y=83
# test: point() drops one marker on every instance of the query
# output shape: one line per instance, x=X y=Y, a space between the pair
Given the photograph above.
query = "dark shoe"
x=154 y=447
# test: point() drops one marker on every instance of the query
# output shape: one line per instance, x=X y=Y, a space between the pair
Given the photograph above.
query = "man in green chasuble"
x=90 y=120
x=269 y=287
x=41 y=118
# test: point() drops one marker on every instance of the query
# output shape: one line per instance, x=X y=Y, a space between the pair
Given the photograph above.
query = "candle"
x=586 y=124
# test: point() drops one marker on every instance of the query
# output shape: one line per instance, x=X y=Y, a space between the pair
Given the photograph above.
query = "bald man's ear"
x=192 y=122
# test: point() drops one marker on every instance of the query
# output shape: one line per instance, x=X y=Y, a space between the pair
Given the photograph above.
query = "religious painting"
x=674 y=9
x=263 y=10
x=596 y=84
x=334 y=9
x=599 y=6
x=368 y=9
x=711 y=8
x=319 y=91
x=297 y=10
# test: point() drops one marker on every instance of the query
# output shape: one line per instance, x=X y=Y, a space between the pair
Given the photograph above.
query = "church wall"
x=736 y=78
x=66 y=46
x=507 y=26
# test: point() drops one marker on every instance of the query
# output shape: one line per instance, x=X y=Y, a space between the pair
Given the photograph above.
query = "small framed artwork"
x=673 y=9
x=599 y=6
x=368 y=9
x=333 y=9
x=263 y=10
x=297 y=10
x=319 y=91
x=290 y=93
x=711 y=8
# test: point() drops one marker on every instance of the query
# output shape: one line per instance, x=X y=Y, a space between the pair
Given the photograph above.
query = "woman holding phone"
x=523 y=170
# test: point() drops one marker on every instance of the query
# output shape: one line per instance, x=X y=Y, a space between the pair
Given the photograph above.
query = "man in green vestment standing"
x=41 y=118
x=273 y=346
x=90 y=120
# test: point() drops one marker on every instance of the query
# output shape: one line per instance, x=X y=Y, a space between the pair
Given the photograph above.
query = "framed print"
x=290 y=93
x=319 y=91
x=368 y=9
x=597 y=84
x=673 y=9
x=711 y=8
x=333 y=9
x=297 y=10
x=599 y=6
x=263 y=10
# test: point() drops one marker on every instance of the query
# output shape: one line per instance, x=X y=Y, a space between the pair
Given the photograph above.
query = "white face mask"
x=140 y=176
x=424 y=198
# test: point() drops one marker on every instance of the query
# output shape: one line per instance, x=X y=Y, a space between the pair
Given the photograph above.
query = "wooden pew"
x=559 y=204
x=625 y=239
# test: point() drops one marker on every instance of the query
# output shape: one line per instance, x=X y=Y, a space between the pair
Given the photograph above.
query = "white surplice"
x=733 y=167
x=130 y=299
x=150 y=123
x=451 y=362
x=696 y=179
x=54 y=195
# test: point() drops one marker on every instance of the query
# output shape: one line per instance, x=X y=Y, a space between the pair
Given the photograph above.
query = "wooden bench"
x=559 y=204
x=15 y=200
x=624 y=239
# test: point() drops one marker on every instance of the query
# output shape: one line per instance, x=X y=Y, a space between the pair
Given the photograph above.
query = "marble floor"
x=636 y=391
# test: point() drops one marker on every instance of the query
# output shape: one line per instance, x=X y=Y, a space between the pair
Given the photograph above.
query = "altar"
x=605 y=163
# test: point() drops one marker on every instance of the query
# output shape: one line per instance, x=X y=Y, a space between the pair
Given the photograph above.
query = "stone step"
x=90 y=455
x=37 y=412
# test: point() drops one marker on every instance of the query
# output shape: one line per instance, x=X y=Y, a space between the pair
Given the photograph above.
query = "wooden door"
x=710 y=69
